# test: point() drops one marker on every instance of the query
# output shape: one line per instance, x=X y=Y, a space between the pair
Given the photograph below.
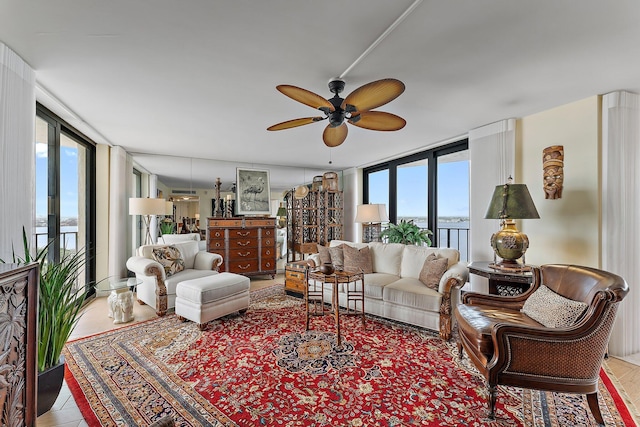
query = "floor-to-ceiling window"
x=65 y=190
x=430 y=188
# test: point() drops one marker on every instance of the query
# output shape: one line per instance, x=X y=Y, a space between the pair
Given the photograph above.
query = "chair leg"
x=592 y=400
x=460 y=350
x=493 y=394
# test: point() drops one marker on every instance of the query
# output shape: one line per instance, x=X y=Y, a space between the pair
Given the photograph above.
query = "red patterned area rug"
x=263 y=369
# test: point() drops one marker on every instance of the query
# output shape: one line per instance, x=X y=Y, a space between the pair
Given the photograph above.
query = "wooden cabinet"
x=294 y=276
x=315 y=219
x=247 y=245
x=19 y=292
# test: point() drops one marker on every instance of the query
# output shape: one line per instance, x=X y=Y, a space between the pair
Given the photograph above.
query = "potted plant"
x=59 y=309
x=166 y=226
x=408 y=233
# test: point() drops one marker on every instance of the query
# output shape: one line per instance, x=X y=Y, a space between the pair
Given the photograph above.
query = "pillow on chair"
x=325 y=255
x=552 y=309
x=170 y=258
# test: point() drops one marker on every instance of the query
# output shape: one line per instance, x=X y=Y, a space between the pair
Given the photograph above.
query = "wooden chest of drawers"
x=247 y=245
x=294 y=276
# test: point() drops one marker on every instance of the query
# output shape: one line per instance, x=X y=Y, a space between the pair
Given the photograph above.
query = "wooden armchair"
x=510 y=348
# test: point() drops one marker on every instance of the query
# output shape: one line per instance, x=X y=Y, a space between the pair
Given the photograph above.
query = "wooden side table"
x=314 y=293
x=502 y=282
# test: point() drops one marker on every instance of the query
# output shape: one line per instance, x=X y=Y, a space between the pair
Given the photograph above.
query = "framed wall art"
x=252 y=192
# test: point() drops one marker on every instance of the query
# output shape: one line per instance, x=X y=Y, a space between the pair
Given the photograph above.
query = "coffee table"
x=314 y=295
x=120 y=301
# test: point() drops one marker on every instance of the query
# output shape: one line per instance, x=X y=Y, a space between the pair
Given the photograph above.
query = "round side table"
x=120 y=301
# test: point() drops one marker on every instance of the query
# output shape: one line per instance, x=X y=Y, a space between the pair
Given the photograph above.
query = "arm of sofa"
x=207 y=261
x=452 y=280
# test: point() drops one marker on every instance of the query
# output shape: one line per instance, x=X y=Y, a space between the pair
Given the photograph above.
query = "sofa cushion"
x=187 y=274
x=552 y=309
x=411 y=292
x=432 y=271
x=170 y=259
x=357 y=259
x=413 y=258
x=335 y=243
x=188 y=250
x=386 y=257
x=337 y=256
x=375 y=283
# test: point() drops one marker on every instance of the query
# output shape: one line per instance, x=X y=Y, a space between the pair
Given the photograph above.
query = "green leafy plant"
x=408 y=233
x=166 y=226
x=60 y=302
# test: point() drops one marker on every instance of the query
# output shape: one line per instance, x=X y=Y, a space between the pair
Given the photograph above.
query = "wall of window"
x=65 y=190
x=430 y=188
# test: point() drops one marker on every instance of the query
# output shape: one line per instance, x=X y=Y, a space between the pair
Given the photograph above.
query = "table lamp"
x=146 y=207
x=282 y=216
x=510 y=202
x=371 y=216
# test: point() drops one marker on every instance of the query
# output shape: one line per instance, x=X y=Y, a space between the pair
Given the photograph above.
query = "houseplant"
x=59 y=309
x=408 y=233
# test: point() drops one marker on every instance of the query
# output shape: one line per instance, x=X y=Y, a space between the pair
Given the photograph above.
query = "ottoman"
x=207 y=298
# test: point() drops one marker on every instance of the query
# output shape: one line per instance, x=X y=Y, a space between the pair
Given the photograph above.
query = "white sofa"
x=393 y=290
x=158 y=290
x=176 y=238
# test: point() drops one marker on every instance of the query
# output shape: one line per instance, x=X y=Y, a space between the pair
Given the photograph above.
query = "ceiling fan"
x=355 y=108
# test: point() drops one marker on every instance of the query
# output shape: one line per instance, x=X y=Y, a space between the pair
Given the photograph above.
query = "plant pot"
x=49 y=385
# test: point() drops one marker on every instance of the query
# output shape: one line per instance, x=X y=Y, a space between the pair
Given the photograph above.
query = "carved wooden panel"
x=18 y=371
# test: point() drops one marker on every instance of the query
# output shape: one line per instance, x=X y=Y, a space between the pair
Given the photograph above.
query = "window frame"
x=432 y=180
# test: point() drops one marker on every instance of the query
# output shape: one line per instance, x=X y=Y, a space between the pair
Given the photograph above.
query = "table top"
x=482 y=268
x=112 y=283
x=340 y=275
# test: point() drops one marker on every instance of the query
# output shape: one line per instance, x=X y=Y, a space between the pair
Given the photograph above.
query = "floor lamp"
x=371 y=217
x=146 y=207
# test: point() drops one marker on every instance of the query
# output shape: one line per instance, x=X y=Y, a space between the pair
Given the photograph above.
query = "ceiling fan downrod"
x=336 y=118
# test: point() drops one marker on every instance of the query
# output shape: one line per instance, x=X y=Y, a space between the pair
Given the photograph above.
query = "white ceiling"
x=197 y=78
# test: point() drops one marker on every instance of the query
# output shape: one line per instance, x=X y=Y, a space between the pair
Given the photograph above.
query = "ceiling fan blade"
x=334 y=136
x=306 y=97
x=295 y=123
x=378 y=120
x=373 y=95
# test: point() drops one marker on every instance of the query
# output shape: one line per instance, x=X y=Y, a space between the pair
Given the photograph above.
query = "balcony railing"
x=457 y=238
x=68 y=241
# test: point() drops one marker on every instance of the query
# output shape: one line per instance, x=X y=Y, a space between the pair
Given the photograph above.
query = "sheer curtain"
x=120 y=183
x=620 y=210
x=17 y=150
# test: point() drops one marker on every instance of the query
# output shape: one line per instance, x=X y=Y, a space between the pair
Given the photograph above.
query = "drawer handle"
x=244 y=254
x=218 y=234
x=244 y=268
x=268 y=264
x=267 y=232
x=268 y=252
x=244 y=244
x=243 y=234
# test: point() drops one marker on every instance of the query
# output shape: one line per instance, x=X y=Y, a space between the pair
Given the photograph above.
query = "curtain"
x=17 y=150
x=491 y=162
x=120 y=177
x=153 y=192
x=620 y=210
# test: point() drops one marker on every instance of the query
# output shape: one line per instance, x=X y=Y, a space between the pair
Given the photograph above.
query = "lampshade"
x=372 y=213
x=511 y=201
x=282 y=211
x=147 y=206
x=168 y=208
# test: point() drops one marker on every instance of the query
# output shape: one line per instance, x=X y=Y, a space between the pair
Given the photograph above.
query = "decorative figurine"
x=553 y=171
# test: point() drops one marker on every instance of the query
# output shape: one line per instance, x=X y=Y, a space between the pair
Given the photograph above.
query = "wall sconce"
x=371 y=216
x=510 y=202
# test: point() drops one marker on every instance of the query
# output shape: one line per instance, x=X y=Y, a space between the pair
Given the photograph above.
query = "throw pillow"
x=325 y=256
x=357 y=259
x=170 y=258
x=432 y=271
x=552 y=309
x=337 y=256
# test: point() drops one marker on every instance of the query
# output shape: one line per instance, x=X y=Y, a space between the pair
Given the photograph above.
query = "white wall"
x=568 y=230
x=102 y=211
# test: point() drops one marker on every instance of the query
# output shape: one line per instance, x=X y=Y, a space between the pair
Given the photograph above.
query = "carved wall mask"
x=553 y=171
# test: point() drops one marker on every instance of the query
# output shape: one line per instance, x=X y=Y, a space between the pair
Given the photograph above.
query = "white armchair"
x=158 y=290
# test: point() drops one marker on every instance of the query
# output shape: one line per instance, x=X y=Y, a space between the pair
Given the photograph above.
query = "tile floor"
x=65 y=413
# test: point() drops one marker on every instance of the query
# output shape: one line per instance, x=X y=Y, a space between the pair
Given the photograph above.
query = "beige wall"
x=102 y=211
x=568 y=230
